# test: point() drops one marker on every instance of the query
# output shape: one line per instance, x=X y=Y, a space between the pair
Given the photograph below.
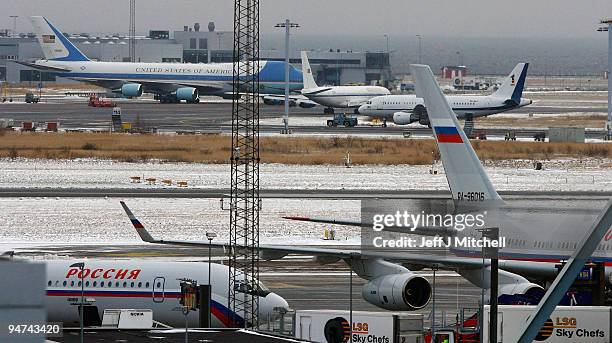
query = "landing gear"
x=166 y=98
x=384 y=124
x=328 y=110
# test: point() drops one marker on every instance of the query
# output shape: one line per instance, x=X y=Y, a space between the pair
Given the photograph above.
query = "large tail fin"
x=512 y=87
x=466 y=177
x=54 y=44
x=309 y=81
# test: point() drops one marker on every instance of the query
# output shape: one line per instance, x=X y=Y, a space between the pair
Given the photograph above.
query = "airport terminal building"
x=190 y=45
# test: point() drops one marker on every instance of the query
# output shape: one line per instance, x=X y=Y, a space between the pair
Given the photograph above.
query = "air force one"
x=407 y=109
x=537 y=238
x=169 y=82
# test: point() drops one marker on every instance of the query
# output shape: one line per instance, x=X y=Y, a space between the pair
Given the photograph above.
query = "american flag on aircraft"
x=48 y=38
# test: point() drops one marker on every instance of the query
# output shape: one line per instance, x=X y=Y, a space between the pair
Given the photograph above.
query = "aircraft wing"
x=274 y=252
x=419 y=230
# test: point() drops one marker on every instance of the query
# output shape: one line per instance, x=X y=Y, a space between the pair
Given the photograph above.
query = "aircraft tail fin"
x=140 y=229
x=54 y=44
x=309 y=81
x=466 y=177
x=513 y=85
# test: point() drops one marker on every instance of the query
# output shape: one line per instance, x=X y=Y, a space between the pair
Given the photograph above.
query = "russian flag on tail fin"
x=144 y=235
x=447 y=134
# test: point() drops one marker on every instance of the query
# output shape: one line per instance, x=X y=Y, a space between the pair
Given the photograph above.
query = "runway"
x=216 y=117
x=339 y=194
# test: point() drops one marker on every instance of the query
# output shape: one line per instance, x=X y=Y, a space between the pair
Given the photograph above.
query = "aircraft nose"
x=275 y=305
x=361 y=109
x=278 y=302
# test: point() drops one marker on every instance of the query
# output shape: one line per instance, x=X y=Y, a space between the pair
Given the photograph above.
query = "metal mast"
x=132 y=40
x=245 y=202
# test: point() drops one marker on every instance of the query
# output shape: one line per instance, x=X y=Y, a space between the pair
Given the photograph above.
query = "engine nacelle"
x=420 y=114
x=306 y=104
x=188 y=94
x=402 y=118
x=524 y=288
x=272 y=100
x=398 y=292
x=131 y=90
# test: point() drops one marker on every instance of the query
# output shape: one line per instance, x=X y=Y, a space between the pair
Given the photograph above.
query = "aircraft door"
x=158 y=289
x=305 y=323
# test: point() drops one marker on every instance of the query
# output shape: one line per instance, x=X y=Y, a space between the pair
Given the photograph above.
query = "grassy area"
x=287 y=150
x=588 y=120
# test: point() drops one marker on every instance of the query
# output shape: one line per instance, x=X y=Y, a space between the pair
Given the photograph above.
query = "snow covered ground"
x=99 y=220
x=561 y=175
x=26 y=221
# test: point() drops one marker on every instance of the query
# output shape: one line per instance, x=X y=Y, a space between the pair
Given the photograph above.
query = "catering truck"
x=584 y=324
x=331 y=326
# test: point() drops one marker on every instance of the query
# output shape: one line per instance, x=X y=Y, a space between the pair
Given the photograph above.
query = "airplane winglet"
x=142 y=232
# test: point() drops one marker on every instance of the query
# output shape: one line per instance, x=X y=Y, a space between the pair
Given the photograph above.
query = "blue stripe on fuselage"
x=271 y=72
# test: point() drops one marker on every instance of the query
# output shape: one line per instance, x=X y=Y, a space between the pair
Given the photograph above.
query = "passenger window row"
x=101 y=284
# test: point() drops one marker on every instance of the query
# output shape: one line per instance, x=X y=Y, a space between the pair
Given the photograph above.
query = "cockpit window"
x=260 y=290
x=368 y=102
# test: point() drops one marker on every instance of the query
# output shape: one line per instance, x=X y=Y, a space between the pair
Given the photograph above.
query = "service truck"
x=584 y=324
x=332 y=326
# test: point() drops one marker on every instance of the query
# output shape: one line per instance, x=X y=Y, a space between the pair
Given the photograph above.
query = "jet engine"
x=523 y=289
x=306 y=104
x=420 y=114
x=188 y=94
x=402 y=118
x=131 y=90
x=272 y=101
x=398 y=292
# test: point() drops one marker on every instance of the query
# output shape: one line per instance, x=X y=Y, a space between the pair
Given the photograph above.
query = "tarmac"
x=216 y=117
x=168 y=336
x=332 y=194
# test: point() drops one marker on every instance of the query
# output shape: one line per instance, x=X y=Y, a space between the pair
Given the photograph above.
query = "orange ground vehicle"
x=95 y=101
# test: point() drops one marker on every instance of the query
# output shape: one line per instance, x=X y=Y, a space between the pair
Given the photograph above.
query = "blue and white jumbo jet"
x=170 y=82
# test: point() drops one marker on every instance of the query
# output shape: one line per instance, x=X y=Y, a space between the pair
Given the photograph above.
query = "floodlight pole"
x=14 y=17
x=287 y=25
x=420 y=39
x=210 y=236
x=608 y=29
x=81 y=266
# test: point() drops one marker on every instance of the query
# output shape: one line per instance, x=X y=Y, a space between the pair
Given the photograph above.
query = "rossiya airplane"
x=536 y=238
x=137 y=284
x=407 y=109
x=169 y=82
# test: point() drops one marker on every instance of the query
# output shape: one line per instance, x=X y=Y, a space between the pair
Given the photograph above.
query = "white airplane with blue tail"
x=169 y=82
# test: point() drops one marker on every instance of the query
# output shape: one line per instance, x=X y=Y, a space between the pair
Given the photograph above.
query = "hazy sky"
x=450 y=18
